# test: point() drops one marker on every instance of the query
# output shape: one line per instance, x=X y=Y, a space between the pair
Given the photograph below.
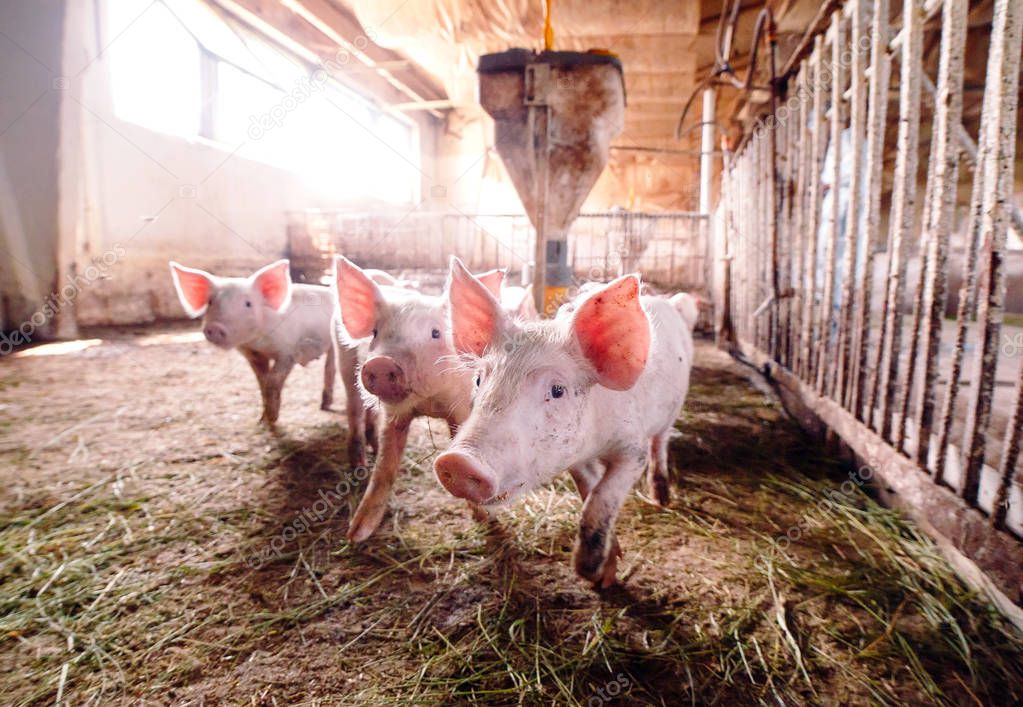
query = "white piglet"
x=407 y=371
x=273 y=323
x=594 y=393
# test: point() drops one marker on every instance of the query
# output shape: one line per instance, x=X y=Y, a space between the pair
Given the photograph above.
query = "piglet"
x=596 y=392
x=273 y=323
x=408 y=370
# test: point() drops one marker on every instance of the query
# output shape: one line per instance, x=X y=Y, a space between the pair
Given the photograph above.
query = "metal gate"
x=846 y=303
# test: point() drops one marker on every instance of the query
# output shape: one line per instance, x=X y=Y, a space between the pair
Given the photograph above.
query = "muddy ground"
x=159 y=547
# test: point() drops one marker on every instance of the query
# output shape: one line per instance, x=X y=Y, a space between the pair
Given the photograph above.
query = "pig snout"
x=465 y=477
x=383 y=377
x=215 y=333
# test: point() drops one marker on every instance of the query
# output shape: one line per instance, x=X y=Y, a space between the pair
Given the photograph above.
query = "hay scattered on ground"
x=158 y=546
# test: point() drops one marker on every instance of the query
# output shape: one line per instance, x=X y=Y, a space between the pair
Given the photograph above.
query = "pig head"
x=235 y=310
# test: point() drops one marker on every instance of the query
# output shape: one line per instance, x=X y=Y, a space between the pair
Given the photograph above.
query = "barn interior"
x=846 y=518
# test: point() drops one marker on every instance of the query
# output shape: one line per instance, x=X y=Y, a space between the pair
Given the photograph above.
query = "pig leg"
x=597 y=550
x=371 y=429
x=260 y=365
x=657 y=469
x=371 y=509
x=586 y=477
x=329 y=371
x=348 y=361
x=274 y=384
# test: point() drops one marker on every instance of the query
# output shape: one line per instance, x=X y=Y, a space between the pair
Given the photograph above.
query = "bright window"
x=155 y=70
x=179 y=67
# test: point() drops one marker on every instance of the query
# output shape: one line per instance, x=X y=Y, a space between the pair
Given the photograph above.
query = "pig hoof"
x=363 y=524
x=356 y=454
x=660 y=491
x=479 y=513
x=326 y=401
x=608 y=576
x=594 y=567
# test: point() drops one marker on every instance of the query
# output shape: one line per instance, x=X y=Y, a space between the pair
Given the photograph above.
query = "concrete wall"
x=30 y=54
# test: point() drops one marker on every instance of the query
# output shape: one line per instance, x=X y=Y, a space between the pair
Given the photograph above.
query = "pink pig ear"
x=614 y=334
x=193 y=287
x=475 y=314
x=492 y=280
x=274 y=283
x=358 y=296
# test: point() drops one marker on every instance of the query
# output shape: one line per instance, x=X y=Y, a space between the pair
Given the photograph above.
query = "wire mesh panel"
x=668 y=249
x=854 y=301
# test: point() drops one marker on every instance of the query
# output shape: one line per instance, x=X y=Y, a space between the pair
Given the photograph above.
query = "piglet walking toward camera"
x=273 y=323
x=594 y=392
x=408 y=370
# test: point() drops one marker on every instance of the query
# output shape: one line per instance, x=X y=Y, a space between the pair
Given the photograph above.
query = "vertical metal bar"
x=764 y=209
x=774 y=212
x=743 y=238
x=788 y=188
x=768 y=215
x=963 y=310
x=707 y=150
x=754 y=259
x=539 y=123
x=749 y=240
x=880 y=75
x=948 y=109
x=913 y=346
x=854 y=238
x=995 y=159
x=903 y=198
x=1010 y=457
x=802 y=150
x=813 y=210
x=826 y=317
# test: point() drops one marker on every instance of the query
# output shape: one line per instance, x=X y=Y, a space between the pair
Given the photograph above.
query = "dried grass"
x=125 y=573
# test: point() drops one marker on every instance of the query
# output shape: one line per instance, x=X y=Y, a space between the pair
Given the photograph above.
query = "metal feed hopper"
x=555 y=114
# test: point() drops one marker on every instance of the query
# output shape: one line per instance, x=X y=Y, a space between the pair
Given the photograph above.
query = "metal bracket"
x=538 y=80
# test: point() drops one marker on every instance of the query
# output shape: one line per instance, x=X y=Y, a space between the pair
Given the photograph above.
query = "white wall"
x=101 y=205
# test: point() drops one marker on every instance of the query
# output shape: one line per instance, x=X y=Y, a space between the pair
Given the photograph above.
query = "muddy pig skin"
x=408 y=370
x=594 y=392
x=273 y=323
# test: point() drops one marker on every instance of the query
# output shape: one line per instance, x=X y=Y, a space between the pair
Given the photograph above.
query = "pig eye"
x=374 y=333
x=248 y=303
x=557 y=391
x=435 y=333
x=477 y=381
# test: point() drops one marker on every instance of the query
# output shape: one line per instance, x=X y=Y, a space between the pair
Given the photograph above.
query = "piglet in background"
x=408 y=370
x=596 y=392
x=273 y=323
